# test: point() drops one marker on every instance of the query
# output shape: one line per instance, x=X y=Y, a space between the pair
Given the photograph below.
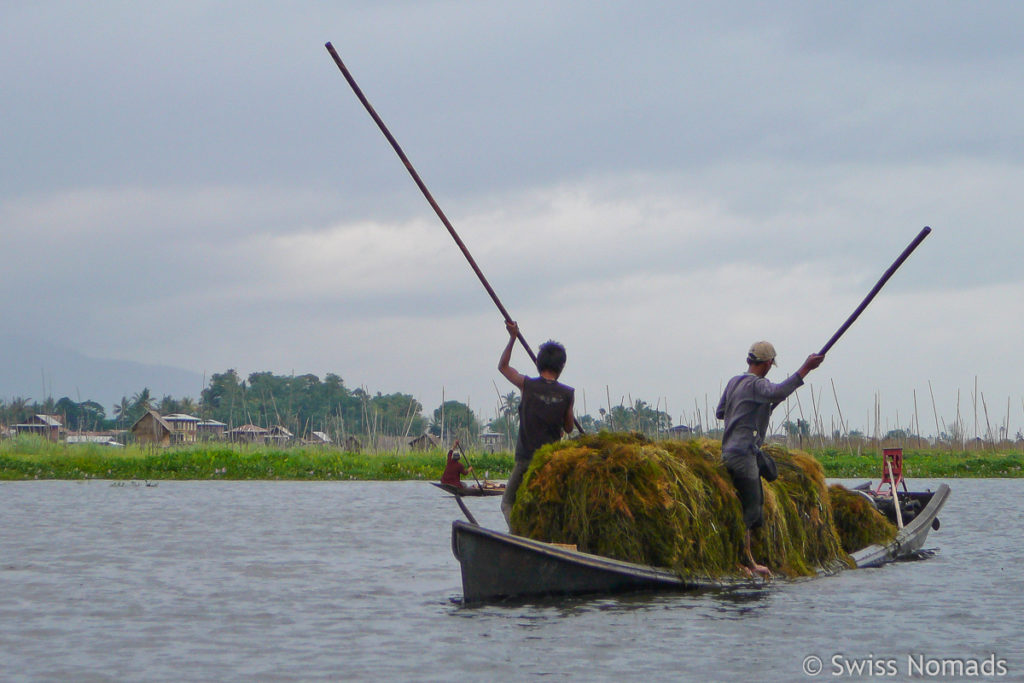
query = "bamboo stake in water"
x=988 y=425
x=974 y=399
x=608 y=396
x=935 y=412
x=1006 y=425
x=799 y=432
x=842 y=423
x=917 y=420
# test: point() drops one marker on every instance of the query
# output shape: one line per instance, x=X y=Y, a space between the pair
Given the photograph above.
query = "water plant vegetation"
x=857 y=521
x=35 y=458
x=672 y=504
x=29 y=457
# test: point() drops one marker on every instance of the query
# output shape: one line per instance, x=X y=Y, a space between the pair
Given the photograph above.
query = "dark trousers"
x=750 y=493
x=514 y=480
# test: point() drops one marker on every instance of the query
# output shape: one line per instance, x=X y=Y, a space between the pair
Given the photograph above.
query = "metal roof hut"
x=152 y=429
x=278 y=435
x=207 y=430
x=492 y=440
x=680 y=432
x=248 y=434
x=317 y=439
x=100 y=439
x=183 y=427
x=46 y=426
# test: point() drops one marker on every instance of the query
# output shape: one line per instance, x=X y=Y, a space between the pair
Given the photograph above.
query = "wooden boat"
x=498 y=566
x=488 y=489
x=911 y=502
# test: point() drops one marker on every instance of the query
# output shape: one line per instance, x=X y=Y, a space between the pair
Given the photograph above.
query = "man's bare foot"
x=757 y=570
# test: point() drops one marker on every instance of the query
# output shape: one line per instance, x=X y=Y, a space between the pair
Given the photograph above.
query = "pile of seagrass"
x=857 y=521
x=672 y=504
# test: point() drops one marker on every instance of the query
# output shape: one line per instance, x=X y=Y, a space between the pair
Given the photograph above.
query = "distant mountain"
x=33 y=369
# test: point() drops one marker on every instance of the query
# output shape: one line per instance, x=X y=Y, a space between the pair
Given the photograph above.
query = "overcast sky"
x=656 y=185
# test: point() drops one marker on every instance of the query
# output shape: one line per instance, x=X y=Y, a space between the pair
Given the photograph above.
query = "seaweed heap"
x=857 y=521
x=672 y=504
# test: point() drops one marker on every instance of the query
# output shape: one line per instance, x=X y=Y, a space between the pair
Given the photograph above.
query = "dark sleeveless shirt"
x=541 y=415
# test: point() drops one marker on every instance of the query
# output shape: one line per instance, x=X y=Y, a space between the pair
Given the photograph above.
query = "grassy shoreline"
x=30 y=459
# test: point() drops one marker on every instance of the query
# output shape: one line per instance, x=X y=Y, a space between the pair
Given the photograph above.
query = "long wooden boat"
x=497 y=566
x=488 y=489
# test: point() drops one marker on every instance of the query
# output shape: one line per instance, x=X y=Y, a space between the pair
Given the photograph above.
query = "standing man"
x=746 y=406
x=545 y=410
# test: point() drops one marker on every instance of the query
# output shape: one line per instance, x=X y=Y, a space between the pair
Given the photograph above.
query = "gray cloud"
x=657 y=184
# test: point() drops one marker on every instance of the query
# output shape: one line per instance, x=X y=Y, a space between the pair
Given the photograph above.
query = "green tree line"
x=305 y=403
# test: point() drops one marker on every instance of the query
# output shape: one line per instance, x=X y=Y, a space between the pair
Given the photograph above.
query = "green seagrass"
x=672 y=504
x=857 y=521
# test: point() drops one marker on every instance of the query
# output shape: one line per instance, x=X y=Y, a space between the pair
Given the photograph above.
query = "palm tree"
x=510 y=405
x=141 y=402
x=122 y=410
x=19 y=409
x=188 y=406
x=168 y=405
x=49 y=406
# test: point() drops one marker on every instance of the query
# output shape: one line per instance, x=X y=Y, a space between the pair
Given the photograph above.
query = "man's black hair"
x=551 y=357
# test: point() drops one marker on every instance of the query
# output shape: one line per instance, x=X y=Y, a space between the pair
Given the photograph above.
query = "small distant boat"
x=498 y=566
x=487 y=489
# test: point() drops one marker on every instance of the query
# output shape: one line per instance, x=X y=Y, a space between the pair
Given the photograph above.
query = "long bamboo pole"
x=430 y=199
x=877 y=288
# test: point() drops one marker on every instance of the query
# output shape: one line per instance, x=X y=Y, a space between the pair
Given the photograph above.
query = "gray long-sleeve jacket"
x=746 y=406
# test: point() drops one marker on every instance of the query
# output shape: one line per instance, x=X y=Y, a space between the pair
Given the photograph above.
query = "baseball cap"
x=761 y=352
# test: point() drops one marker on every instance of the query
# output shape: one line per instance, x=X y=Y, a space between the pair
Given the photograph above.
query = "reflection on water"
x=356 y=580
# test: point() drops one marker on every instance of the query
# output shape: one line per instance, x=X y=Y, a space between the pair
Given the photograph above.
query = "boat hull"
x=497 y=566
x=471 y=490
x=910 y=539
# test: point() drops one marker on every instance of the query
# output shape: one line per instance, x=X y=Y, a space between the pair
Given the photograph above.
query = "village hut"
x=249 y=433
x=680 y=432
x=423 y=442
x=95 y=438
x=184 y=428
x=278 y=435
x=46 y=426
x=210 y=430
x=318 y=439
x=352 y=444
x=152 y=429
x=491 y=440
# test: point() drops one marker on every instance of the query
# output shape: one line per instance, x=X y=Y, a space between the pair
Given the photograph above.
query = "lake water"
x=223 y=581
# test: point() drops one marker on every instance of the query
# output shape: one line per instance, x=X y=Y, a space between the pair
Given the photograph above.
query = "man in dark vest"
x=545 y=410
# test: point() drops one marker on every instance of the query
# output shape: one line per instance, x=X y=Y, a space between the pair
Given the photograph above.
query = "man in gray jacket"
x=746 y=406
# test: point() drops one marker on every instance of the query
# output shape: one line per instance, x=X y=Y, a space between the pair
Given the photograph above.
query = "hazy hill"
x=34 y=369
